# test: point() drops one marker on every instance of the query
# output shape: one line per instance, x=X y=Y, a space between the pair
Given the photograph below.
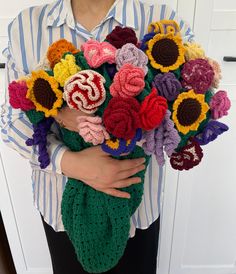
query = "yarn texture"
x=98 y=224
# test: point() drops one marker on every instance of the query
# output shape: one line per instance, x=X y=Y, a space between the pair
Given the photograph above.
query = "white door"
x=203 y=238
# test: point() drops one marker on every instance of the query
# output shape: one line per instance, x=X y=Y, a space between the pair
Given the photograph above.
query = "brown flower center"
x=43 y=93
x=165 y=52
x=188 y=111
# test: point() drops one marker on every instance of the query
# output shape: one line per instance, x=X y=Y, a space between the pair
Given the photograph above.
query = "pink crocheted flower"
x=217 y=72
x=97 y=53
x=198 y=75
x=128 y=82
x=130 y=54
x=92 y=130
x=219 y=104
x=17 y=94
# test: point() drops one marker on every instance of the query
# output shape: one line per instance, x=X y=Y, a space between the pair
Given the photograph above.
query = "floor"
x=6 y=262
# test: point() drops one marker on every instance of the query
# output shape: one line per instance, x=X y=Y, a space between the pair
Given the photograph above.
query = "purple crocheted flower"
x=149 y=142
x=165 y=138
x=212 y=130
x=130 y=54
x=167 y=85
x=40 y=138
x=197 y=74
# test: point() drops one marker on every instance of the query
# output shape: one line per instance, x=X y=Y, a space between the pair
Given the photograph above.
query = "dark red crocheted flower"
x=189 y=157
x=153 y=110
x=121 y=36
x=121 y=117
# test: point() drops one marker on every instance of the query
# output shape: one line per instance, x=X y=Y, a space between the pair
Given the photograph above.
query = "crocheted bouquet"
x=137 y=98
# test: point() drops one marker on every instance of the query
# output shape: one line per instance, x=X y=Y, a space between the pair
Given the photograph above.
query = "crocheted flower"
x=198 y=75
x=17 y=93
x=97 y=53
x=152 y=110
x=92 y=130
x=121 y=36
x=39 y=138
x=57 y=49
x=128 y=82
x=85 y=91
x=166 y=52
x=164 y=26
x=165 y=138
x=44 y=93
x=65 y=68
x=121 y=117
x=189 y=156
x=211 y=131
x=118 y=146
x=219 y=104
x=130 y=54
x=167 y=85
x=189 y=110
x=193 y=51
x=217 y=72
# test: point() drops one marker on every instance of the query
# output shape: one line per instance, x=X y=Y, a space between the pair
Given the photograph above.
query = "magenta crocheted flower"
x=17 y=94
x=97 y=53
x=92 y=130
x=219 y=104
x=128 y=82
x=167 y=85
x=198 y=75
x=130 y=54
x=217 y=72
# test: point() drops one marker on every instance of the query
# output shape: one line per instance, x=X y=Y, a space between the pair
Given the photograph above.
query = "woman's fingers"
x=116 y=193
x=127 y=182
x=128 y=173
x=130 y=163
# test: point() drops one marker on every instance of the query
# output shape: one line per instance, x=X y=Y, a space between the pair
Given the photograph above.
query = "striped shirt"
x=30 y=34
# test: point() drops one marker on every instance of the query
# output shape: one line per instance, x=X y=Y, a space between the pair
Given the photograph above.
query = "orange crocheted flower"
x=57 y=49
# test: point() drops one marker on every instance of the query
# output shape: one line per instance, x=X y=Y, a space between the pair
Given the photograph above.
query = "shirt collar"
x=123 y=11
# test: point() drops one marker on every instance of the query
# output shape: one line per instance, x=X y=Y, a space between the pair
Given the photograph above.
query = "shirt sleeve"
x=161 y=12
x=14 y=124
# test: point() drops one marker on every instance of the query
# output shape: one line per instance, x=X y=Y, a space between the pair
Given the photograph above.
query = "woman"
x=30 y=34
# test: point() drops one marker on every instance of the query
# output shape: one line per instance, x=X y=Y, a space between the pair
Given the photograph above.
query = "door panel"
x=204 y=238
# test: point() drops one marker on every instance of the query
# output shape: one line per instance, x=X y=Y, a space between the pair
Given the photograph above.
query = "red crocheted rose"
x=153 y=110
x=121 y=36
x=128 y=82
x=189 y=157
x=121 y=117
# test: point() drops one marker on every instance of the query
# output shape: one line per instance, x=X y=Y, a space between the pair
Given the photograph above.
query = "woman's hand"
x=67 y=118
x=100 y=171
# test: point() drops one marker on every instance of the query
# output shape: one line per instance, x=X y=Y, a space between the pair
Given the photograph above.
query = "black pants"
x=140 y=255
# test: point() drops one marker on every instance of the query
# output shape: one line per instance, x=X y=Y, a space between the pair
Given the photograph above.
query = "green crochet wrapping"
x=98 y=224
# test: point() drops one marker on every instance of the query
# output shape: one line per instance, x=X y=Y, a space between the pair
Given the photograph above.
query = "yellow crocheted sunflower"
x=166 y=52
x=44 y=93
x=189 y=110
x=65 y=68
x=193 y=51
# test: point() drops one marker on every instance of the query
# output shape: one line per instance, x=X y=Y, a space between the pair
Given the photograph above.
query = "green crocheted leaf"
x=81 y=61
x=144 y=93
x=98 y=224
x=35 y=116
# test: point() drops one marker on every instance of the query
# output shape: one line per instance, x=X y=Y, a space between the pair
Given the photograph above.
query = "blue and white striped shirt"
x=30 y=34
